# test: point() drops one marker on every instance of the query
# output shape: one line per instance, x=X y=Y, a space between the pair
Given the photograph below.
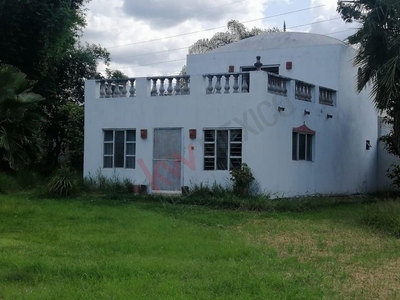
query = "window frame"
x=308 y=149
x=229 y=144
x=125 y=146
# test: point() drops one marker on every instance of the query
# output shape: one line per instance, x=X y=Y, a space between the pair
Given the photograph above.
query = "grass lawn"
x=98 y=249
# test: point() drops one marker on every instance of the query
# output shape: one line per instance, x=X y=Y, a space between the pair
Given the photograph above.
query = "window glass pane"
x=130 y=162
x=119 y=149
x=222 y=149
x=130 y=135
x=208 y=163
x=236 y=135
x=209 y=149
x=209 y=135
x=294 y=146
x=236 y=150
x=108 y=136
x=235 y=163
x=107 y=162
x=108 y=148
x=130 y=148
x=302 y=146
x=309 y=147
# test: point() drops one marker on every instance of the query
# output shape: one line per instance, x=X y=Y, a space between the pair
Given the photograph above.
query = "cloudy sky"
x=151 y=37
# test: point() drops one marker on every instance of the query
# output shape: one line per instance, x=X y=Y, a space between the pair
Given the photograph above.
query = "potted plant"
x=242 y=178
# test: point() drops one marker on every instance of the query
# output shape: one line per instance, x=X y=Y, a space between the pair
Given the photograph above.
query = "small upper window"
x=302 y=143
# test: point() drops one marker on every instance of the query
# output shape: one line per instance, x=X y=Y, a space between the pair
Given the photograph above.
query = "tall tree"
x=42 y=39
x=20 y=138
x=236 y=32
x=378 y=57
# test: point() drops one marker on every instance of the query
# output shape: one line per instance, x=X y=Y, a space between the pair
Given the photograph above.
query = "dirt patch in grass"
x=352 y=259
x=309 y=240
x=380 y=282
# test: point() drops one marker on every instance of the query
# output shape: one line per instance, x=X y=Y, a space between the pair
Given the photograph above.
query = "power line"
x=182 y=48
x=178 y=15
x=214 y=28
x=175 y=60
x=150 y=64
x=157 y=52
x=316 y=22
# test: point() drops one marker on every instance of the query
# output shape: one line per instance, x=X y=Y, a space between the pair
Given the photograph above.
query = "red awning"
x=303 y=129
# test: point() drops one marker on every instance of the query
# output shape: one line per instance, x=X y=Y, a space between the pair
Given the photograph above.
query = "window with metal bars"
x=302 y=146
x=222 y=149
x=119 y=149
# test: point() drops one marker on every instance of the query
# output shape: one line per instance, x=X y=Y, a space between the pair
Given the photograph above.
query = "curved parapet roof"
x=279 y=40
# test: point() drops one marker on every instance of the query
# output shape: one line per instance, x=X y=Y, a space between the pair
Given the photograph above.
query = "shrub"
x=394 y=174
x=63 y=182
x=8 y=183
x=27 y=179
x=242 y=178
x=383 y=216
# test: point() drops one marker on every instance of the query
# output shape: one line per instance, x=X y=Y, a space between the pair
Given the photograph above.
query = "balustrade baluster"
x=170 y=89
x=186 y=86
x=235 y=83
x=154 y=87
x=109 y=89
x=102 y=89
x=282 y=86
x=123 y=90
x=245 y=84
x=116 y=93
x=162 y=88
x=209 y=88
x=218 y=86
x=178 y=85
x=308 y=94
x=132 y=87
x=227 y=87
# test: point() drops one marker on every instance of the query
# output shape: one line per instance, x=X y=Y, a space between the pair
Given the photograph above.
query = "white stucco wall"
x=341 y=163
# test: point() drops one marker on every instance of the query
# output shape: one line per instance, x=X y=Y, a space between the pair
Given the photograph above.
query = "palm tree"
x=19 y=122
x=378 y=56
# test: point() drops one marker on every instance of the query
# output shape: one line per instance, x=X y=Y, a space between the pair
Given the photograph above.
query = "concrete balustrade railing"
x=303 y=90
x=114 y=88
x=277 y=84
x=327 y=96
x=169 y=85
x=215 y=84
x=227 y=83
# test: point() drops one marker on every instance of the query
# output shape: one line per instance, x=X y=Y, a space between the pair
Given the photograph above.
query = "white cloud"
x=124 y=26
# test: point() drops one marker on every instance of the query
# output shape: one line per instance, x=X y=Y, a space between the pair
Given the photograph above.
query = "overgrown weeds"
x=103 y=184
x=384 y=216
x=8 y=183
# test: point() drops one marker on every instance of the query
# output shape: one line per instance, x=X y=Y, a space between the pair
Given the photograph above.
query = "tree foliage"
x=20 y=139
x=115 y=74
x=378 y=57
x=42 y=39
x=236 y=32
x=379 y=46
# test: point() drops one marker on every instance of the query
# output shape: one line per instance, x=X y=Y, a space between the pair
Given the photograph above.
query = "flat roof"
x=279 y=40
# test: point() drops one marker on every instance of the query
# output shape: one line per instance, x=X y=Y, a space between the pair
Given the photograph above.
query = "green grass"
x=114 y=249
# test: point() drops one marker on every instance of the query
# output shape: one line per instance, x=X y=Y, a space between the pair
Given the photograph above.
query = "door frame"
x=179 y=160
